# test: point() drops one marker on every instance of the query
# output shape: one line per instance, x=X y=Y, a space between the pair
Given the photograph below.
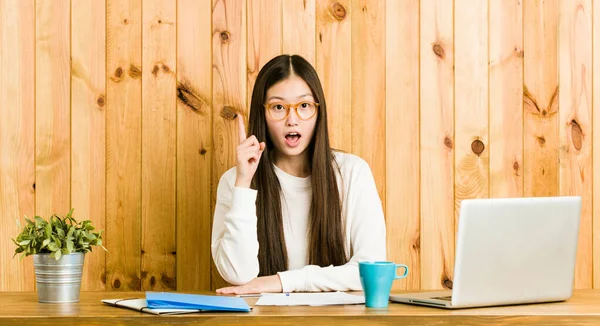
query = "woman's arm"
x=234 y=239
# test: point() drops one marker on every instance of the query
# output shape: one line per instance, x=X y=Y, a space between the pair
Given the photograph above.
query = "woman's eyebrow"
x=282 y=99
x=275 y=98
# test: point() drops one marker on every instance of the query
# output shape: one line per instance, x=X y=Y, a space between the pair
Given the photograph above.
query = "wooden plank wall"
x=88 y=123
x=17 y=135
x=113 y=107
x=123 y=144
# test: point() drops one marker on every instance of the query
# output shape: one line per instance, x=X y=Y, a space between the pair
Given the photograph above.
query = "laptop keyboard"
x=446 y=298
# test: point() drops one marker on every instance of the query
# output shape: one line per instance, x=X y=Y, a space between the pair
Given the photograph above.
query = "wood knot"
x=516 y=166
x=155 y=70
x=160 y=21
x=544 y=112
x=202 y=151
x=166 y=69
x=117 y=284
x=541 y=140
x=101 y=101
x=135 y=72
x=338 y=11
x=417 y=244
x=477 y=147
x=448 y=142
x=225 y=37
x=189 y=98
x=227 y=112
x=576 y=135
x=168 y=282
x=125 y=21
x=33 y=186
x=447 y=283
x=529 y=102
x=519 y=53
x=135 y=282
x=438 y=49
x=152 y=281
x=144 y=274
x=118 y=75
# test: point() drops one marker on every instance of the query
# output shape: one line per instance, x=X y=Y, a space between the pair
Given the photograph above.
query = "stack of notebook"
x=178 y=303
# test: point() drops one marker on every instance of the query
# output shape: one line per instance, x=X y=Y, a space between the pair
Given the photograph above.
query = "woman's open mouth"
x=292 y=139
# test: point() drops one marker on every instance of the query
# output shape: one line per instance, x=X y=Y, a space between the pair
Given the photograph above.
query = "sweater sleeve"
x=234 y=244
x=367 y=240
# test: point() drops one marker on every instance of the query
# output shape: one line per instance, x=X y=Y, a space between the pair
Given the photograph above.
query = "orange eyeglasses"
x=280 y=111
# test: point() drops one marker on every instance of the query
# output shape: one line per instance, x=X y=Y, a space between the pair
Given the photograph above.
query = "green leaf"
x=69 y=246
x=48 y=230
x=57 y=241
x=70 y=233
x=39 y=221
x=57 y=225
x=52 y=246
x=61 y=233
x=24 y=242
x=57 y=254
x=45 y=243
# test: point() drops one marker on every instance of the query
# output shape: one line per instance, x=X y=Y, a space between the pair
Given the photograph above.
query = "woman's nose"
x=292 y=119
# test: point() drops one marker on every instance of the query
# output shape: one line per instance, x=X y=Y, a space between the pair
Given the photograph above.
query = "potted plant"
x=58 y=246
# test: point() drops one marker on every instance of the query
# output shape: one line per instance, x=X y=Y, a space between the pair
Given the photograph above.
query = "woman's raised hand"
x=248 y=154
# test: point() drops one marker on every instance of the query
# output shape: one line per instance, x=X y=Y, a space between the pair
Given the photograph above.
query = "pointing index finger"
x=242 y=128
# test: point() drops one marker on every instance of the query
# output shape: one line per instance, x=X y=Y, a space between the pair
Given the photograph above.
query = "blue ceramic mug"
x=376 y=279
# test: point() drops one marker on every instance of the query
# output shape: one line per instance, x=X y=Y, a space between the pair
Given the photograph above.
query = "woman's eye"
x=278 y=107
x=304 y=105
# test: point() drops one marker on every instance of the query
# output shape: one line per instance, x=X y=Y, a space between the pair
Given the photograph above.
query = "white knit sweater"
x=234 y=236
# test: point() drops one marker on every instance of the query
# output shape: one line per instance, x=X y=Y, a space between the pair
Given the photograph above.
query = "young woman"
x=294 y=215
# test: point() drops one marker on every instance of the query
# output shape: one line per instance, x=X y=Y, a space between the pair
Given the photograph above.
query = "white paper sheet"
x=142 y=306
x=309 y=299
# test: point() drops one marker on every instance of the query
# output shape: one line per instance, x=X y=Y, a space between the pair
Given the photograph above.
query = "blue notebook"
x=170 y=300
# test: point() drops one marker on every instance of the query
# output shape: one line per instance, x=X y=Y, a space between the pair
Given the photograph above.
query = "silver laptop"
x=510 y=251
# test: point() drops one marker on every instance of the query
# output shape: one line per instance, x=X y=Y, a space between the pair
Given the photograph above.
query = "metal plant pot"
x=58 y=281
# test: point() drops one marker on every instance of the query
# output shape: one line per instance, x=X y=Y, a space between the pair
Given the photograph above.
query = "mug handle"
x=405 y=271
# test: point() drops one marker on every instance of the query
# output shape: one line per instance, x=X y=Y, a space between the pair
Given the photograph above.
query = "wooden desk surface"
x=22 y=308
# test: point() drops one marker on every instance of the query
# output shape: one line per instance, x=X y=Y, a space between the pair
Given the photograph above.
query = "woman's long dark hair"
x=326 y=237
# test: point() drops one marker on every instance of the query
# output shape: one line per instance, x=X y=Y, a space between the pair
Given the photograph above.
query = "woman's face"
x=292 y=134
